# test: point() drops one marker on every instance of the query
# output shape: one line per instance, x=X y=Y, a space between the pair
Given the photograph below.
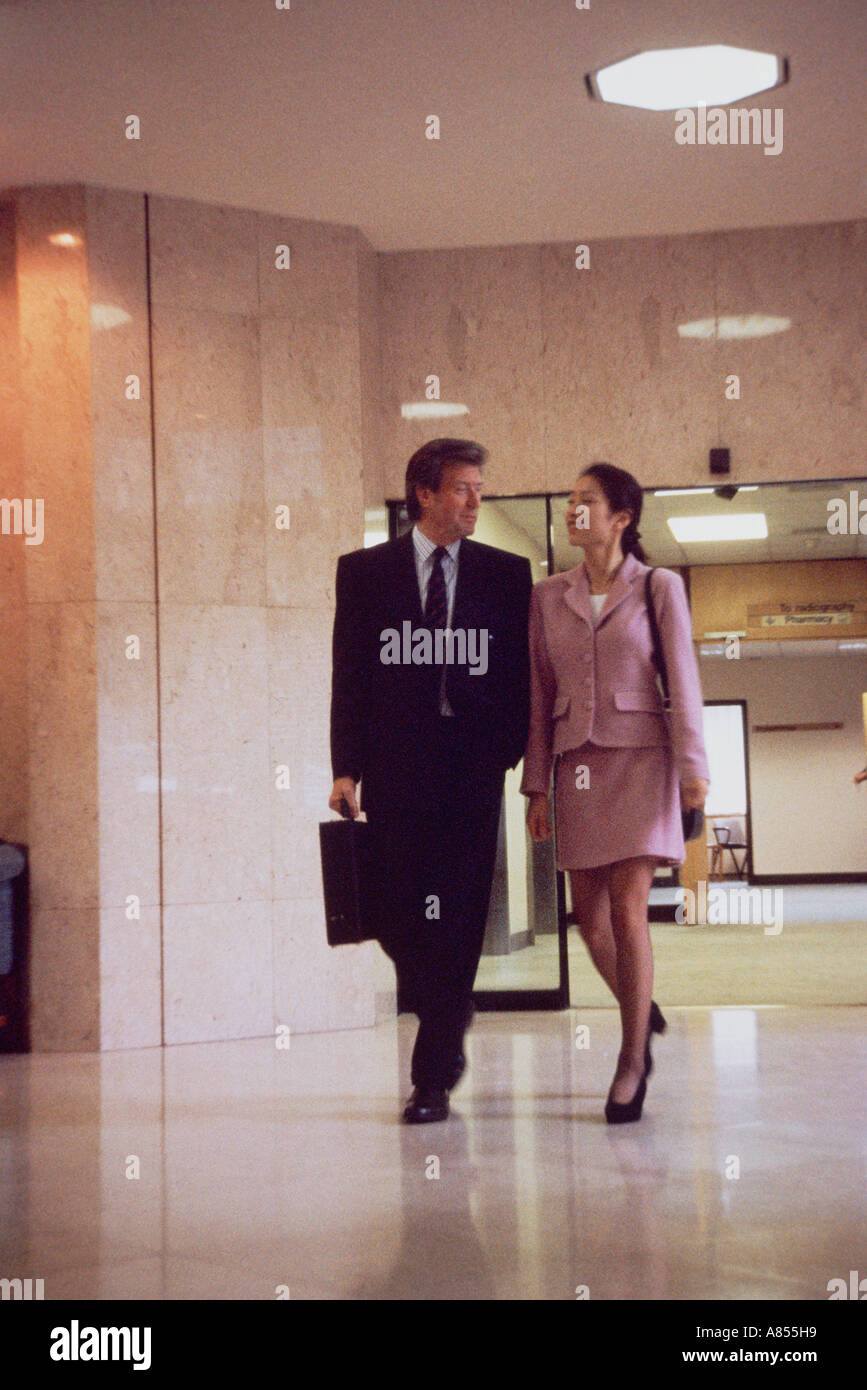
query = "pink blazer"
x=600 y=684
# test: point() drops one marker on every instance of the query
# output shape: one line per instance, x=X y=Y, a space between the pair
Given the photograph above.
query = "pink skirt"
x=626 y=803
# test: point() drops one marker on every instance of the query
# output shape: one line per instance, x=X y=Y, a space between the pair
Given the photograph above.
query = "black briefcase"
x=347 y=881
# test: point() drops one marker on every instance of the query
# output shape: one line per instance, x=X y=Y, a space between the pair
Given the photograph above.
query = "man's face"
x=451 y=513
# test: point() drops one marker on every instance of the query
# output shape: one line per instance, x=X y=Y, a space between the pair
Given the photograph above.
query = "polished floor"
x=264 y=1168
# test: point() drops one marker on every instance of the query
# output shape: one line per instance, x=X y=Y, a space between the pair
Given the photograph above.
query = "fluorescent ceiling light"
x=734 y=326
x=694 y=491
x=681 y=491
x=743 y=526
x=671 y=79
x=431 y=410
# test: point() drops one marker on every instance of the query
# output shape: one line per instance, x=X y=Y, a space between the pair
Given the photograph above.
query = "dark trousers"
x=436 y=863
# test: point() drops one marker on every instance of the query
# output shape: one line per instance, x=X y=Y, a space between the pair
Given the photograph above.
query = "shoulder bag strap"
x=658 y=658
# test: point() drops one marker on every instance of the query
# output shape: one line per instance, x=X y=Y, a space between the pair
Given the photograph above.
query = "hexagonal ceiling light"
x=672 y=79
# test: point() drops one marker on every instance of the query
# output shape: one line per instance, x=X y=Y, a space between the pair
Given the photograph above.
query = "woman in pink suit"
x=623 y=769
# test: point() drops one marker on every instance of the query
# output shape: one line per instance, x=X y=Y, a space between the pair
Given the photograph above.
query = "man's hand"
x=694 y=792
x=344 y=790
x=538 y=821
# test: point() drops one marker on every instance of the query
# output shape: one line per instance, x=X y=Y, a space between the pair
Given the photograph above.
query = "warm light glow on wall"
x=64 y=239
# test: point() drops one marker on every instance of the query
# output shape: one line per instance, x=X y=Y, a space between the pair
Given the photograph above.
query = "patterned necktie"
x=436 y=608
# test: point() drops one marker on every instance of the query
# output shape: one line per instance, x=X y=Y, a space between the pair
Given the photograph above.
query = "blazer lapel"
x=407 y=598
x=621 y=587
x=578 y=591
x=577 y=595
x=468 y=587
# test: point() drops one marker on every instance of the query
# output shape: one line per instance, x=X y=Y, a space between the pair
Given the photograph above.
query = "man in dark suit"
x=428 y=723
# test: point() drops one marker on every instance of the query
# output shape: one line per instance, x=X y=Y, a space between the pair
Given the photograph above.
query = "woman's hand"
x=694 y=792
x=538 y=821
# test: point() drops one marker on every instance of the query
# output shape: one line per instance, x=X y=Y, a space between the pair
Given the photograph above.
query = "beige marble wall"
x=13 y=591
x=561 y=365
x=258 y=406
x=178 y=641
x=127 y=751
x=58 y=634
x=472 y=318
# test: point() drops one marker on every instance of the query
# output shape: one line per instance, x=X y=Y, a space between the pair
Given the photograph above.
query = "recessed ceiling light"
x=671 y=79
x=737 y=526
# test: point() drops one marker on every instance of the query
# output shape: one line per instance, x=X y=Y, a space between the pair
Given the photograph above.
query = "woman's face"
x=589 y=519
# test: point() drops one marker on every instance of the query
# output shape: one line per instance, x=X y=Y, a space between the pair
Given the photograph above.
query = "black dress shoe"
x=622 y=1113
x=657 y=1024
x=426 y=1106
x=657 y=1021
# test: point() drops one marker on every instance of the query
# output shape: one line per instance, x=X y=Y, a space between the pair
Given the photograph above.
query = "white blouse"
x=596 y=603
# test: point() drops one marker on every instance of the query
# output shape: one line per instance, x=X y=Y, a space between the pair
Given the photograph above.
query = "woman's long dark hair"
x=623 y=494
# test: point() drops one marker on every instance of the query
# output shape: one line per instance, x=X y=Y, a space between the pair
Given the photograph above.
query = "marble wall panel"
x=63 y=819
x=317 y=987
x=299 y=653
x=130 y=971
x=14 y=764
x=119 y=350
x=474 y=319
x=64 y=978
x=802 y=410
x=128 y=753
x=203 y=256
x=610 y=370
x=311 y=406
x=218 y=980
x=215 y=754
x=208 y=449
x=371 y=373
x=13 y=589
x=620 y=384
x=54 y=319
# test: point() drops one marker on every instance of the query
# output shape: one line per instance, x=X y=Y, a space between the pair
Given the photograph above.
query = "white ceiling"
x=318 y=111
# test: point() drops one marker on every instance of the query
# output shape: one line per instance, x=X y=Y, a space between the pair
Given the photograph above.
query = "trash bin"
x=14 y=963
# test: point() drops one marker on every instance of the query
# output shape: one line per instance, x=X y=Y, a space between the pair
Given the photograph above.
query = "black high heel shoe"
x=657 y=1024
x=623 y=1113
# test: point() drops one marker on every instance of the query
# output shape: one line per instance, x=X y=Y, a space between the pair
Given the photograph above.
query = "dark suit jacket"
x=381 y=715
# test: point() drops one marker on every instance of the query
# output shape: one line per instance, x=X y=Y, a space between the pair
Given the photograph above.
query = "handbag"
x=345 y=849
x=692 y=819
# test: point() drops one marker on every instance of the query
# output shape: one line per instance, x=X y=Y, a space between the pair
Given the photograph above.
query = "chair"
x=729 y=834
